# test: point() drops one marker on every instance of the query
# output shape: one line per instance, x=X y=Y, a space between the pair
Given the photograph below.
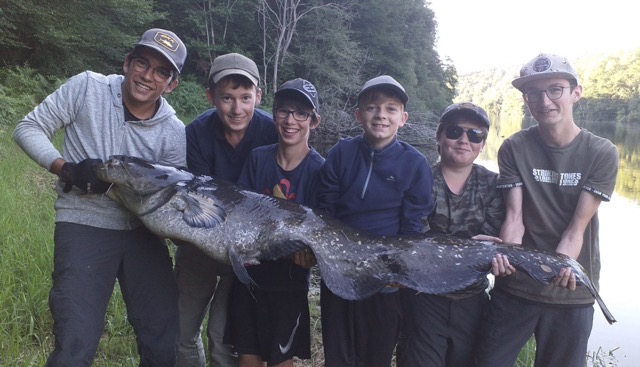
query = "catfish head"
x=140 y=176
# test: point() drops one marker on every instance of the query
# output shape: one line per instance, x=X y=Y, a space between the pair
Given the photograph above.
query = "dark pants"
x=87 y=262
x=204 y=285
x=561 y=332
x=359 y=333
x=438 y=331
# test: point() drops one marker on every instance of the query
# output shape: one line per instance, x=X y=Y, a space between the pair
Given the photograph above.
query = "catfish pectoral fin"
x=237 y=262
x=201 y=211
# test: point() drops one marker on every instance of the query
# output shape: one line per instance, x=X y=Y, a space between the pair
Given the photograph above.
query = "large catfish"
x=242 y=227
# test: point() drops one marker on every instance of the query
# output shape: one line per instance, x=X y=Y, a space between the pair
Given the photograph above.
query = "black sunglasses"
x=454 y=132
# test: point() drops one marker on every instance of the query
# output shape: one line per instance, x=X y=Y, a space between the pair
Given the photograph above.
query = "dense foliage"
x=336 y=44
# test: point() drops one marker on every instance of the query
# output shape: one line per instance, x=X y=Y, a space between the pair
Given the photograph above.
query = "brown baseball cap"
x=167 y=43
x=234 y=63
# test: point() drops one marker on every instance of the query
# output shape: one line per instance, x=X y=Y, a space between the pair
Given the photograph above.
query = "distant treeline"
x=611 y=89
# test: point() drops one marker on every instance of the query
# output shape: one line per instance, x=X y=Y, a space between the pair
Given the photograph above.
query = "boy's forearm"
x=573 y=236
x=512 y=229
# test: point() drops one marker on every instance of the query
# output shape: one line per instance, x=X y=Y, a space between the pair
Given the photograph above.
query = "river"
x=619 y=243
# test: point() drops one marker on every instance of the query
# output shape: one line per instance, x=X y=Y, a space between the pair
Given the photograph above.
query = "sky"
x=482 y=34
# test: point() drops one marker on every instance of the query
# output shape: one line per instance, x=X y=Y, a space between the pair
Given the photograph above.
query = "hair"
x=297 y=100
x=376 y=93
x=235 y=81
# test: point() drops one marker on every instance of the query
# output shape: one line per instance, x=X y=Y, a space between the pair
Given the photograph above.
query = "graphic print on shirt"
x=560 y=179
x=281 y=190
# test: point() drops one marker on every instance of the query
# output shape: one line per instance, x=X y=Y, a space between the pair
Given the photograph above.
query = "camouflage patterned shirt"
x=479 y=210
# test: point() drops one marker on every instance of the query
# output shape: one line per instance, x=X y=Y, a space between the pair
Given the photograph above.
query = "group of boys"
x=373 y=182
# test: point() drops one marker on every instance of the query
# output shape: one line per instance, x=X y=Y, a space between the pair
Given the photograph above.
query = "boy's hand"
x=82 y=176
x=566 y=279
x=500 y=266
x=304 y=258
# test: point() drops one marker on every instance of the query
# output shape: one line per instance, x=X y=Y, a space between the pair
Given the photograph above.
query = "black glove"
x=82 y=176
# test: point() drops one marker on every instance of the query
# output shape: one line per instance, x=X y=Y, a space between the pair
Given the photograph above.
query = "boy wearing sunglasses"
x=443 y=330
x=382 y=186
x=554 y=175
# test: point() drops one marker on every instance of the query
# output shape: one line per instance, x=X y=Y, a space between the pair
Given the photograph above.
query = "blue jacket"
x=209 y=153
x=383 y=192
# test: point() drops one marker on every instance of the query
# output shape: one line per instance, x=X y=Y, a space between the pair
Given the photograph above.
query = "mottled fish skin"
x=241 y=227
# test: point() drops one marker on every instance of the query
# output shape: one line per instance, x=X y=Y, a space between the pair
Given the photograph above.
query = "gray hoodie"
x=89 y=109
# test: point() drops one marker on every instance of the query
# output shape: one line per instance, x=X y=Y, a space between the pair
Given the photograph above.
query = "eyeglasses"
x=553 y=93
x=454 y=132
x=142 y=65
x=297 y=115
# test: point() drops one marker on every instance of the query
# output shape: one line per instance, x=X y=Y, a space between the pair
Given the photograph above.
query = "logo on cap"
x=166 y=41
x=309 y=88
x=541 y=64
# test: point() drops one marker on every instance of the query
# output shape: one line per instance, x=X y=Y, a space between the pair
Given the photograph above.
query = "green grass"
x=26 y=262
x=27 y=217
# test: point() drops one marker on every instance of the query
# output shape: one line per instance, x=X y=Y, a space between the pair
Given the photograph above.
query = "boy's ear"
x=127 y=61
x=173 y=85
x=210 y=96
x=315 y=121
x=405 y=117
x=358 y=116
x=258 y=97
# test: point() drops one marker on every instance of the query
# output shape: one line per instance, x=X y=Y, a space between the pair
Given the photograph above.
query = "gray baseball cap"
x=167 y=43
x=468 y=110
x=234 y=63
x=545 y=66
x=385 y=81
x=303 y=87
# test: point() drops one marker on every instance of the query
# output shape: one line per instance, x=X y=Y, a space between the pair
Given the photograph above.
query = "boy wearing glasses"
x=554 y=176
x=380 y=185
x=218 y=144
x=269 y=318
x=96 y=240
x=443 y=330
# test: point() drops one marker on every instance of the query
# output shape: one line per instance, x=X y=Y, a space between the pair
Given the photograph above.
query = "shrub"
x=21 y=89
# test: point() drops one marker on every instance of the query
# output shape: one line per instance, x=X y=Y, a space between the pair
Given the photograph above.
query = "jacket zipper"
x=366 y=183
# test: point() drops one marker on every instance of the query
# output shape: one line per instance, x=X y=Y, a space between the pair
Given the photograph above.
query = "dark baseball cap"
x=234 y=63
x=167 y=43
x=545 y=66
x=385 y=81
x=469 y=110
x=302 y=87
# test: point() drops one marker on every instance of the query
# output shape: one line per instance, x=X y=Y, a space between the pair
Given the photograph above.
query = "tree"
x=213 y=28
x=69 y=36
x=279 y=22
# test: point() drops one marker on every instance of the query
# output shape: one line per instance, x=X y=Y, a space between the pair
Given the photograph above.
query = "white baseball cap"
x=545 y=66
